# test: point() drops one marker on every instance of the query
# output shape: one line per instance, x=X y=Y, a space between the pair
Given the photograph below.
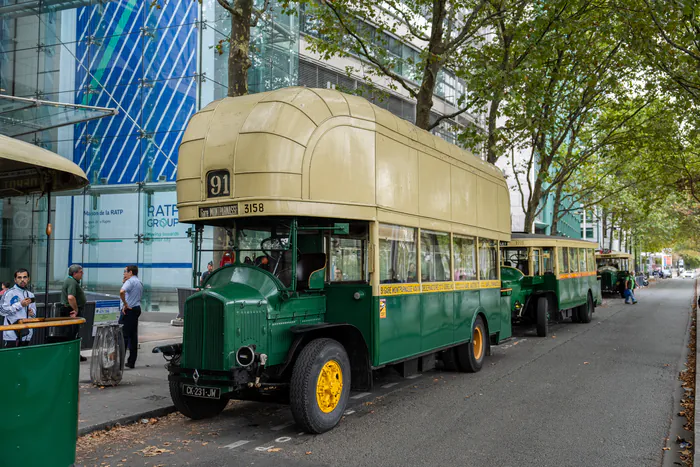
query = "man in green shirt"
x=73 y=300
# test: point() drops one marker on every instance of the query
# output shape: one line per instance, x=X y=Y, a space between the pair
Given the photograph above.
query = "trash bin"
x=107 y=365
x=182 y=294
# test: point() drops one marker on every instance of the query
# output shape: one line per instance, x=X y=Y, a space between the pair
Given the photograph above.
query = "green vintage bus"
x=613 y=269
x=360 y=241
x=551 y=278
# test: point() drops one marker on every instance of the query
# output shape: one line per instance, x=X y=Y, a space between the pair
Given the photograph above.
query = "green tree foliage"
x=356 y=28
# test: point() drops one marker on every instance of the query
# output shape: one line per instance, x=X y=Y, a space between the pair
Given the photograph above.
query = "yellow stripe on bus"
x=573 y=275
x=432 y=287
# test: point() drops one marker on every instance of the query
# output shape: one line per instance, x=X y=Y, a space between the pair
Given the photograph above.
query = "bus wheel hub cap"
x=329 y=386
x=478 y=343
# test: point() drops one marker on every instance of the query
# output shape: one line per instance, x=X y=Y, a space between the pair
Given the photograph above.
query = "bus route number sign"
x=219 y=211
x=218 y=184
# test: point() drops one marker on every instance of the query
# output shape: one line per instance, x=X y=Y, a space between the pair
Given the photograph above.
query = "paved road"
x=598 y=394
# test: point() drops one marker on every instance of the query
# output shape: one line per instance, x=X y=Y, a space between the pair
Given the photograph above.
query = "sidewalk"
x=143 y=391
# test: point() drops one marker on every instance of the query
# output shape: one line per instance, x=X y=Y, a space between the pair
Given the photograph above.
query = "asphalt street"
x=598 y=394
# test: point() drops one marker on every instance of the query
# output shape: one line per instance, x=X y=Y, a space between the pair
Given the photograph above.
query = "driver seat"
x=307 y=264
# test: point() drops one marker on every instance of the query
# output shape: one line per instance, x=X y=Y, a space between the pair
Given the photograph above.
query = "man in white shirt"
x=15 y=304
x=130 y=294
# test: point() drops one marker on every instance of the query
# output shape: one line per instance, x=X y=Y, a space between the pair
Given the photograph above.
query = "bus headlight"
x=245 y=356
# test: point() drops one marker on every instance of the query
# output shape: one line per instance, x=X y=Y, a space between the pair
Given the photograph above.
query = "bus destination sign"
x=219 y=211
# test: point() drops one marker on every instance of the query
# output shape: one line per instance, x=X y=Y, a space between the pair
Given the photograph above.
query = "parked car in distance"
x=689 y=274
x=665 y=274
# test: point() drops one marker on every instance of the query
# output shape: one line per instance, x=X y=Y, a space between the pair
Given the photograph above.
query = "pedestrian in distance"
x=15 y=304
x=5 y=287
x=207 y=273
x=72 y=304
x=130 y=294
x=630 y=285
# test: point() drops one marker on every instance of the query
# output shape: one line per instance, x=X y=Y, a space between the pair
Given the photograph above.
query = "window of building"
x=488 y=259
x=464 y=258
x=397 y=254
x=435 y=256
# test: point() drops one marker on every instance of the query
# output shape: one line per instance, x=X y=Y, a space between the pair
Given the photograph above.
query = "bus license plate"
x=199 y=391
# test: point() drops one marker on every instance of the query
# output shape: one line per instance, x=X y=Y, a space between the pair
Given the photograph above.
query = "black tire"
x=542 y=316
x=305 y=376
x=470 y=358
x=585 y=312
x=449 y=360
x=194 y=407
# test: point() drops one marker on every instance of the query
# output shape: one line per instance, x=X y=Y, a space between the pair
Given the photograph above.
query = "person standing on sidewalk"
x=15 y=304
x=130 y=294
x=72 y=303
x=629 y=288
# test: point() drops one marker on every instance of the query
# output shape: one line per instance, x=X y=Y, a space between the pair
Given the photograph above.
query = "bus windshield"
x=268 y=248
x=516 y=258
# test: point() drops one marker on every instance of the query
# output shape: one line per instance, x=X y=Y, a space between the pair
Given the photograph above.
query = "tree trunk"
x=603 y=228
x=239 y=48
x=424 y=99
x=532 y=205
x=491 y=155
x=612 y=231
x=557 y=209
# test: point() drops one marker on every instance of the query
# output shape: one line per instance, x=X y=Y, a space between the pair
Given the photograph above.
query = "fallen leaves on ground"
x=152 y=451
x=274 y=450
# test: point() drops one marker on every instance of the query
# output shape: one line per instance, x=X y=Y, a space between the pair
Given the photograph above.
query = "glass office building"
x=155 y=63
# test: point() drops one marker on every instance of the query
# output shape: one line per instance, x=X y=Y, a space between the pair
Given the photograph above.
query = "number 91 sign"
x=218 y=184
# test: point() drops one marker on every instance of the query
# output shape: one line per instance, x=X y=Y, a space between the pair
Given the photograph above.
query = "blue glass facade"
x=157 y=64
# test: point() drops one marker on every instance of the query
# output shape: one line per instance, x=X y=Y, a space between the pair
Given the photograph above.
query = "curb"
x=129 y=419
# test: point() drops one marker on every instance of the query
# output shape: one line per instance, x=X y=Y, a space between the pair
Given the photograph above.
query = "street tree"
x=434 y=34
x=244 y=15
x=584 y=68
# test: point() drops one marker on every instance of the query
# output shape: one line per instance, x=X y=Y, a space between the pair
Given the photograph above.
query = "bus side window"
x=488 y=259
x=547 y=261
x=582 y=259
x=464 y=249
x=397 y=254
x=435 y=256
x=563 y=260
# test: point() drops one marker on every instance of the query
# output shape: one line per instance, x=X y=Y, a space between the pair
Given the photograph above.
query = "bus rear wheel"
x=194 y=407
x=470 y=356
x=320 y=385
x=585 y=312
x=542 y=317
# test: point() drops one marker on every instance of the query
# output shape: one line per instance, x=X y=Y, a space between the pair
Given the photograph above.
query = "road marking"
x=361 y=395
x=281 y=427
x=387 y=386
x=348 y=412
x=413 y=377
x=236 y=444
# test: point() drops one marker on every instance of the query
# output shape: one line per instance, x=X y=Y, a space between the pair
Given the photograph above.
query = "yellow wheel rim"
x=329 y=386
x=478 y=343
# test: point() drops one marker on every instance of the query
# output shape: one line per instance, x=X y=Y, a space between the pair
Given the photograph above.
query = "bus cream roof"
x=538 y=240
x=319 y=152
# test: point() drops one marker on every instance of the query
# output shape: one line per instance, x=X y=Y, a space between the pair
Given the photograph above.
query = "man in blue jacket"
x=17 y=303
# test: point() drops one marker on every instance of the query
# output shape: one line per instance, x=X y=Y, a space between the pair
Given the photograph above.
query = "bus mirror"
x=341 y=228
